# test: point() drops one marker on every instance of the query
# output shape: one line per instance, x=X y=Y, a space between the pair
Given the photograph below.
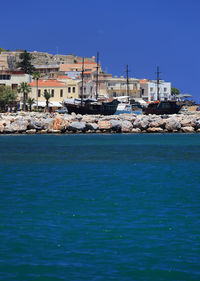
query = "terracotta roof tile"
x=47 y=83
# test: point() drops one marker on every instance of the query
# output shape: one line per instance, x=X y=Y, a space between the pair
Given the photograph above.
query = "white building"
x=117 y=87
x=13 y=78
x=150 y=91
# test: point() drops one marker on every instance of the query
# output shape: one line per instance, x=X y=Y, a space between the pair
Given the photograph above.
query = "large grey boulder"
x=188 y=121
x=136 y=130
x=48 y=122
x=116 y=125
x=157 y=122
x=35 y=124
x=77 y=126
x=172 y=125
x=91 y=127
x=141 y=122
x=126 y=127
x=197 y=124
x=187 y=129
x=18 y=126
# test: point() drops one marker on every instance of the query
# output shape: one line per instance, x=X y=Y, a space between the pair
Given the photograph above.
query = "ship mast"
x=97 y=76
x=158 y=83
x=82 y=76
x=127 y=80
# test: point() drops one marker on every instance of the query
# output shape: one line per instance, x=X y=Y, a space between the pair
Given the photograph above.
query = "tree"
x=47 y=97
x=175 y=91
x=36 y=77
x=25 y=89
x=25 y=63
x=30 y=102
x=8 y=97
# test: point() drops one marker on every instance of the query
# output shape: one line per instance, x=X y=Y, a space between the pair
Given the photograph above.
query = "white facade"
x=13 y=80
x=89 y=88
x=117 y=87
x=164 y=90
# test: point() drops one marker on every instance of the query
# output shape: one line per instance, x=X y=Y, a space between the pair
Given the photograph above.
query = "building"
x=89 y=66
x=47 y=68
x=102 y=82
x=117 y=87
x=57 y=90
x=13 y=78
x=150 y=92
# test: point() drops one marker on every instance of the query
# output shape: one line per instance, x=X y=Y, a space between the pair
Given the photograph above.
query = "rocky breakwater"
x=44 y=123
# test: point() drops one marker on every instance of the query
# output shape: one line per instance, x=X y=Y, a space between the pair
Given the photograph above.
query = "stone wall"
x=43 y=123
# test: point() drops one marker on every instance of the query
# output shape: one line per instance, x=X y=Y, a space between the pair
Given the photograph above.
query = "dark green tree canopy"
x=25 y=63
x=7 y=97
x=175 y=91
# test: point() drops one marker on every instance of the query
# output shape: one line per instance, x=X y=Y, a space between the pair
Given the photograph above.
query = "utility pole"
x=97 y=76
x=82 y=76
x=158 y=83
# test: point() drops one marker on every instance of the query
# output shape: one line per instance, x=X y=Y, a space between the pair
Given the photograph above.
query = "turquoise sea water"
x=100 y=207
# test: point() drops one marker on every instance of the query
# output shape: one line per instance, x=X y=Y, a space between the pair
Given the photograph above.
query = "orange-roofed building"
x=88 y=66
x=59 y=90
x=63 y=77
x=144 y=81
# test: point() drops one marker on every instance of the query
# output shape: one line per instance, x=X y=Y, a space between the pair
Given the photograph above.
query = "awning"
x=141 y=101
x=51 y=104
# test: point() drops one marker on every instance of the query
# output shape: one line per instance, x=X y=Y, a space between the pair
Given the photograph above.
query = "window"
x=14 y=86
x=151 y=89
x=165 y=89
x=69 y=89
x=111 y=84
x=74 y=89
x=52 y=93
x=39 y=93
x=84 y=89
x=61 y=93
x=4 y=77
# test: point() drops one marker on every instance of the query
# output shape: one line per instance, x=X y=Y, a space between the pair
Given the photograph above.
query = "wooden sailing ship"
x=91 y=106
x=161 y=107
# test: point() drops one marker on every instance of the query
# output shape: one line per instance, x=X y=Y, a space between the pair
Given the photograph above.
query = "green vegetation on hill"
x=25 y=63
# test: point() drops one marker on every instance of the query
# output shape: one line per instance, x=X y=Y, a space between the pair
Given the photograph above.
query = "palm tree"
x=47 y=97
x=30 y=102
x=25 y=89
x=36 y=77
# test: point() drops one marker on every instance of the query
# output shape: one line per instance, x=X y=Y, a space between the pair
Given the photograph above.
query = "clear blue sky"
x=143 y=34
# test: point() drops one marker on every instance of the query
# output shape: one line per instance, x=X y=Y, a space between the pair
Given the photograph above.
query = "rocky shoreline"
x=45 y=123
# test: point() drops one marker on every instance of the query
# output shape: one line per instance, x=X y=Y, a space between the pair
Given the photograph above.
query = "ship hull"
x=168 y=107
x=104 y=108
